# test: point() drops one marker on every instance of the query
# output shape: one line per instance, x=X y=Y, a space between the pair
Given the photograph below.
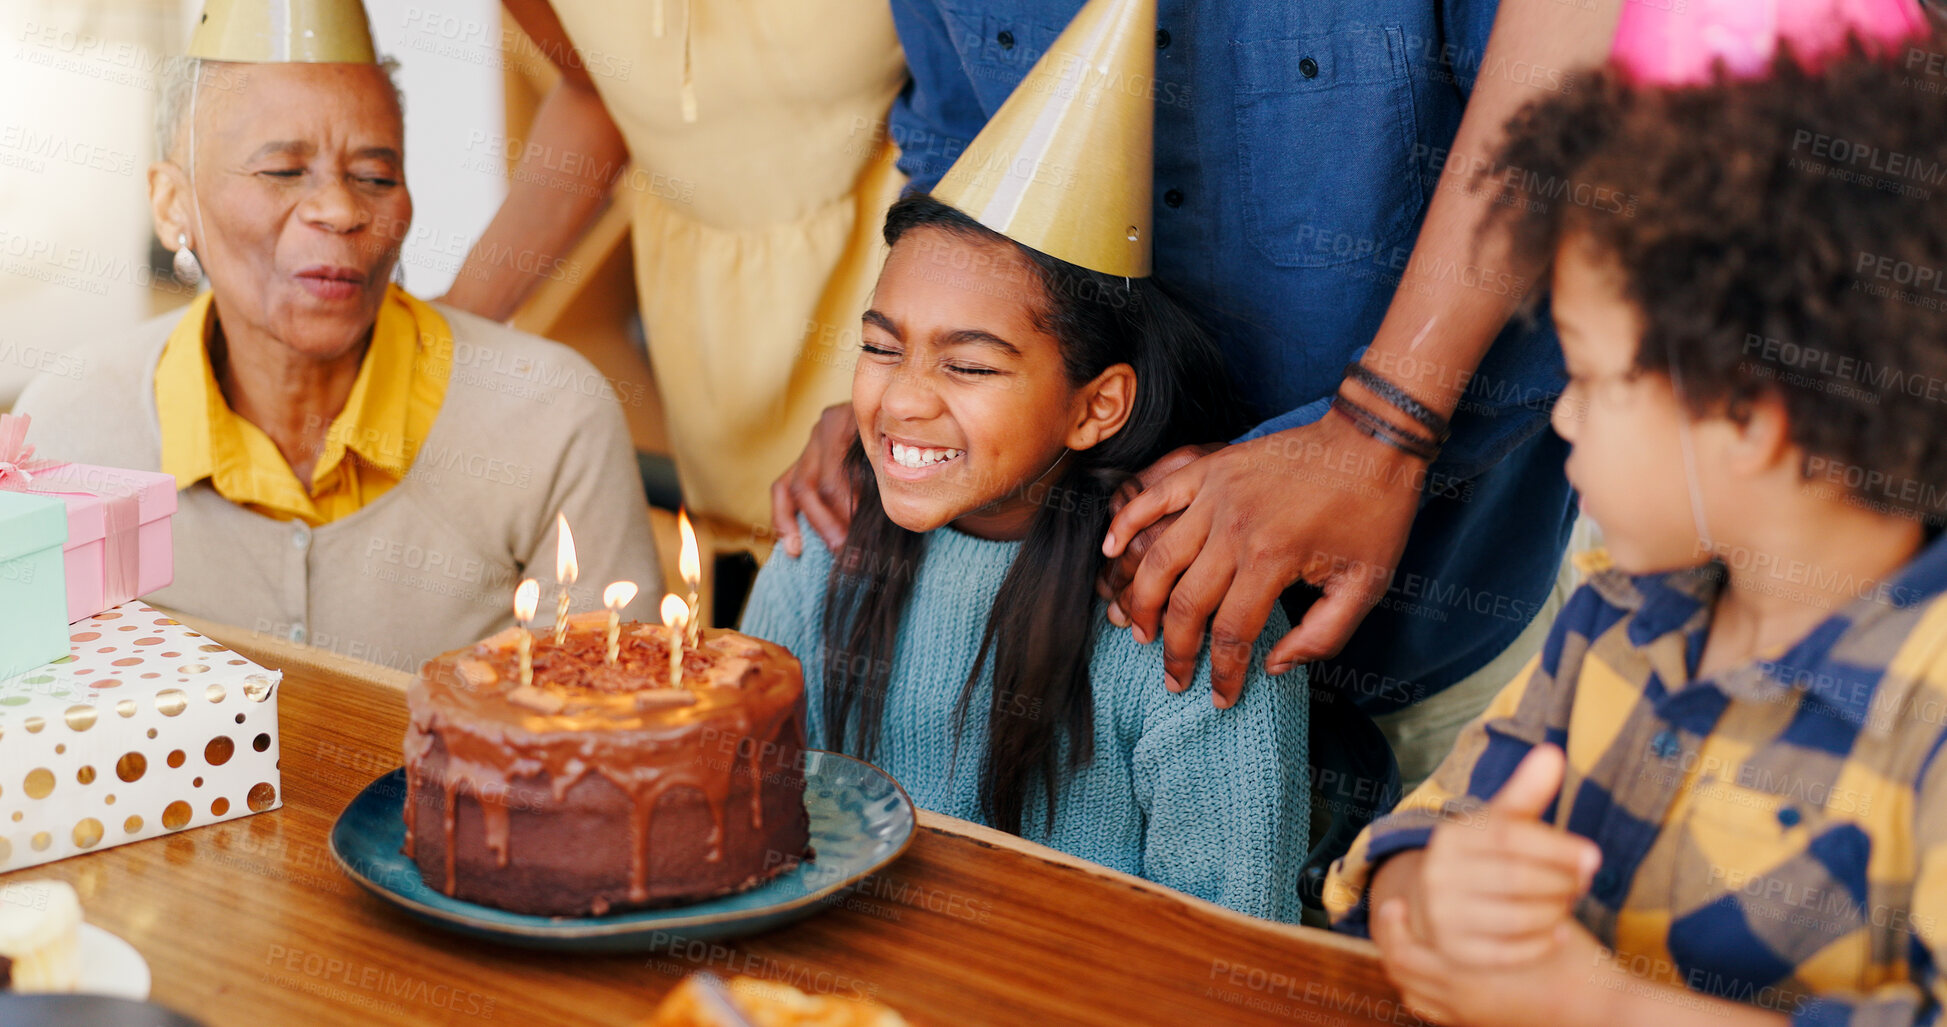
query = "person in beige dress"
x=748 y=140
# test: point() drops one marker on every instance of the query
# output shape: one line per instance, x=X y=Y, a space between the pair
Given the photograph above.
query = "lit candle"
x=526 y=599
x=675 y=614
x=615 y=597
x=692 y=567
x=566 y=570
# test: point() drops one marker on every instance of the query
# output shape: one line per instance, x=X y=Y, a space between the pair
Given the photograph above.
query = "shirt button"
x=1308 y=68
x=298 y=634
x=1173 y=198
x=1788 y=816
x=1162 y=39
x=1005 y=39
x=1665 y=744
x=300 y=536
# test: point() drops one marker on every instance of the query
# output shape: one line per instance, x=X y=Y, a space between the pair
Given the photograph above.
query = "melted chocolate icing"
x=582 y=715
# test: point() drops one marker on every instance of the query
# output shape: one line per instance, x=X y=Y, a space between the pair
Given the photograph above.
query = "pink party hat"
x=1677 y=42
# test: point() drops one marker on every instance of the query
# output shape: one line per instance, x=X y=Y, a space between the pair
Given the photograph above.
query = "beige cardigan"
x=527 y=428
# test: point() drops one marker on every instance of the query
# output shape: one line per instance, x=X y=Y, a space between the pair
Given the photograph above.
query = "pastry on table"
x=40 y=936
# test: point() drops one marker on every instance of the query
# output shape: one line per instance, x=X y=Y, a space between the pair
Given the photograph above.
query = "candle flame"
x=676 y=612
x=618 y=594
x=526 y=599
x=689 y=562
x=566 y=570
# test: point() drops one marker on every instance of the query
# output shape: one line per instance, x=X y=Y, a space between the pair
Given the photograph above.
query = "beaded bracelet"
x=1374 y=426
x=1400 y=400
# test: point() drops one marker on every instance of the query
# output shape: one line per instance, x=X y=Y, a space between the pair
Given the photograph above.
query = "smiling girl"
x=955 y=639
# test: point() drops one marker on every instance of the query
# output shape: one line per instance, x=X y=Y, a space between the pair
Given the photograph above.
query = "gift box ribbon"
x=17 y=464
x=121 y=509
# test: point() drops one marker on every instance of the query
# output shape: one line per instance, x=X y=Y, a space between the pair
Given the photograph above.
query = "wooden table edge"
x=278 y=653
x=988 y=836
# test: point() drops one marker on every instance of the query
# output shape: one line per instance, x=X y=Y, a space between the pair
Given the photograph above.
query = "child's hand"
x=1495 y=890
x=1542 y=992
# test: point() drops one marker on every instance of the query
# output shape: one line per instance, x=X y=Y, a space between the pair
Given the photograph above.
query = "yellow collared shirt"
x=368 y=448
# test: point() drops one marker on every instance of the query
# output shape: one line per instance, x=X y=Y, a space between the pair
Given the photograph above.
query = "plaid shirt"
x=1776 y=834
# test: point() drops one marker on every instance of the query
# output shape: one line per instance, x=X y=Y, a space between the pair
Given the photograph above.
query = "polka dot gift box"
x=144 y=728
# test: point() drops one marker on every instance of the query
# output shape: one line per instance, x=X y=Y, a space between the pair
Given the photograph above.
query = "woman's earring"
x=188 y=270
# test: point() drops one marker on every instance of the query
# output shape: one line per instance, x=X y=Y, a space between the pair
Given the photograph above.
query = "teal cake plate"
x=861 y=821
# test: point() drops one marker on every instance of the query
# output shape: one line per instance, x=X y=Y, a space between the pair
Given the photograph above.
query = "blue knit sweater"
x=1211 y=802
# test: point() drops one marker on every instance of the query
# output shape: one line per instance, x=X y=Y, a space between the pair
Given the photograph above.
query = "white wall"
x=77 y=92
x=450 y=70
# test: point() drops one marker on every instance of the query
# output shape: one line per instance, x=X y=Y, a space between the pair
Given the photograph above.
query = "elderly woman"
x=359 y=469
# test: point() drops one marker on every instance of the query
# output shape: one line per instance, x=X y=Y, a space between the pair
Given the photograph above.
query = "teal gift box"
x=33 y=582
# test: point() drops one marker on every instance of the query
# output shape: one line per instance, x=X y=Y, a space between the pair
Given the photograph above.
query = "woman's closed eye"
x=875 y=350
x=374 y=174
x=369 y=181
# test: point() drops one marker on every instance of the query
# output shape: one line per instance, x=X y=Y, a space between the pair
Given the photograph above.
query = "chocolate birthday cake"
x=599 y=787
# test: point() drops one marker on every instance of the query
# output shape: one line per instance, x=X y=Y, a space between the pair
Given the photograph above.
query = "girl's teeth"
x=916 y=457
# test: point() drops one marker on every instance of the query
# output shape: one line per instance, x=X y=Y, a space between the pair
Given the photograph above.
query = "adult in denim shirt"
x=1299 y=149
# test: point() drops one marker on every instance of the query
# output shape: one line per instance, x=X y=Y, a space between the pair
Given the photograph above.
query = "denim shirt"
x=1298 y=145
x=1297 y=148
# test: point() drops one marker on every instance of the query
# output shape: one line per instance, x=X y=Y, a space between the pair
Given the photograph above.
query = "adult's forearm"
x=1468 y=280
x=569 y=160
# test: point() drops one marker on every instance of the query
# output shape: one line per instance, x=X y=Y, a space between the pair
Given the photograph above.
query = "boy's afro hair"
x=1783 y=235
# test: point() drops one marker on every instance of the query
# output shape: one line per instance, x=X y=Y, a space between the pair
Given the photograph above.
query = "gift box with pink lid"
x=118 y=545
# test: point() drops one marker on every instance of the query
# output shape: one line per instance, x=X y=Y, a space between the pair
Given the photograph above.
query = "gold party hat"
x=1065 y=165
x=300 y=31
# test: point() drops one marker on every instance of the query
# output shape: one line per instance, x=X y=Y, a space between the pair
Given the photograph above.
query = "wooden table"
x=250 y=922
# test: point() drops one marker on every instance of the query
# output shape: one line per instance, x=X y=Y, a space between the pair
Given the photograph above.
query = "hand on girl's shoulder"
x=814 y=561
x=1134 y=672
x=814 y=545
x=788 y=595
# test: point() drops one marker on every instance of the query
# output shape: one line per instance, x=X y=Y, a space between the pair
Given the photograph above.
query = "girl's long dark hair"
x=1041 y=631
